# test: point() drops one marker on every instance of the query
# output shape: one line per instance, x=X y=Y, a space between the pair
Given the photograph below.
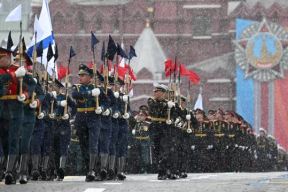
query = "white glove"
x=116 y=94
x=176 y=121
x=125 y=98
x=65 y=117
x=236 y=145
x=189 y=130
x=35 y=80
x=20 y=72
x=54 y=94
x=179 y=125
x=116 y=115
x=41 y=116
x=21 y=98
x=95 y=92
x=168 y=122
x=63 y=103
x=193 y=147
x=126 y=116
x=106 y=113
x=171 y=104
x=98 y=110
x=133 y=132
x=33 y=105
x=188 y=117
x=227 y=147
x=52 y=116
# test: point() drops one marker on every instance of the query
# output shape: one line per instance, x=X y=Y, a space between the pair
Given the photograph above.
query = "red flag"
x=122 y=72
x=194 y=77
x=101 y=69
x=109 y=65
x=183 y=71
x=168 y=64
x=91 y=65
x=62 y=72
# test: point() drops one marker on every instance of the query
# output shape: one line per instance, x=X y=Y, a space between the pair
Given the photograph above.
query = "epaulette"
x=147 y=122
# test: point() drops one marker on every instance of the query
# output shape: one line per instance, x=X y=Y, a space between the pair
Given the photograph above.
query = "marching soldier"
x=161 y=135
x=43 y=135
x=29 y=122
x=62 y=125
x=88 y=118
x=12 y=115
x=115 y=129
x=262 y=143
x=123 y=132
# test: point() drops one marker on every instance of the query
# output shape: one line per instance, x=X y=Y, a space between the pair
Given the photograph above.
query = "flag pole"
x=179 y=92
x=116 y=74
x=169 y=96
x=127 y=85
x=34 y=66
x=95 y=76
x=66 y=84
x=20 y=79
x=174 y=83
x=53 y=87
x=189 y=130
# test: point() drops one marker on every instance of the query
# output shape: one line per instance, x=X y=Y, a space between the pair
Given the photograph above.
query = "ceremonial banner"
x=262 y=60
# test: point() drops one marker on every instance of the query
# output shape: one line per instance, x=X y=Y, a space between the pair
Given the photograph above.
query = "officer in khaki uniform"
x=141 y=134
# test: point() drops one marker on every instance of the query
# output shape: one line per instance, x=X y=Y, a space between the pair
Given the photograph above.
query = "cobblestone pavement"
x=206 y=182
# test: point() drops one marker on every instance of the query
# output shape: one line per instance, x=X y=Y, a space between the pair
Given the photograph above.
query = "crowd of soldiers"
x=193 y=142
x=167 y=137
x=36 y=129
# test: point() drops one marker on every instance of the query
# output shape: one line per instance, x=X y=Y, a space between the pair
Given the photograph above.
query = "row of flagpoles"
x=43 y=43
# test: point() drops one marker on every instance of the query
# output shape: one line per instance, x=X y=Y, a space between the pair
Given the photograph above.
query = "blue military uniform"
x=62 y=135
x=87 y=122
x=114 y=133
x=106 y=131
x=122 y=137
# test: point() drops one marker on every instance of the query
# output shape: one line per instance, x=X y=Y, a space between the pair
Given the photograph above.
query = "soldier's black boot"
x=91 y=174
x=103 y=171
x=44 y=172
x=61 y=170
x=111 y=170
x=121 y=164
x=2 y=172
x=23 y=177
x=35 y=167
x=9 y=177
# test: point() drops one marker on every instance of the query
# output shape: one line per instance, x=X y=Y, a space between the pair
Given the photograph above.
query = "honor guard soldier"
x=141 y=134
x=29 y=121
x=4 y=78
x=158 y=107
x=123 y=132
x=115 y=128
x=12 y=114
x=88 y=118
x=184 y=138
x=62 y=125
x=43 y=134
x=218 y=127
x=201 y=142
x=106 y=129
x=262 y=143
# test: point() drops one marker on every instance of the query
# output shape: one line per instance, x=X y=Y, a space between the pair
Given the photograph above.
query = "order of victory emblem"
x=262 y=51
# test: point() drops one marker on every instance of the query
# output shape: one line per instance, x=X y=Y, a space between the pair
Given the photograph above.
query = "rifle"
x=188 y=109
x=20 y=79
x=66 y=86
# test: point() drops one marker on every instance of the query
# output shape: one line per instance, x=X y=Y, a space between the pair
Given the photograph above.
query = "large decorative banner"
x=261 y=56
